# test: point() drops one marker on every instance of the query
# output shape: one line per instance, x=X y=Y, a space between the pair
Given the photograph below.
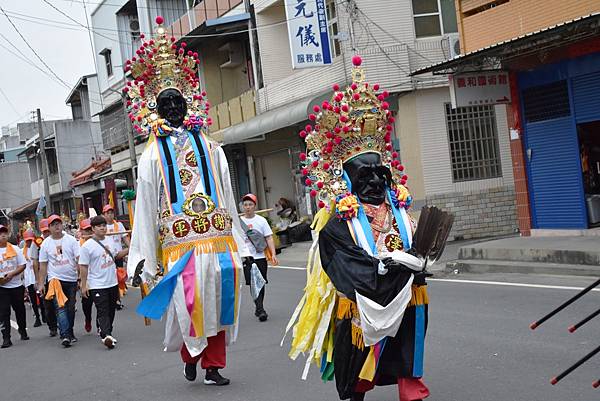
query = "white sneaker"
x=109 y=342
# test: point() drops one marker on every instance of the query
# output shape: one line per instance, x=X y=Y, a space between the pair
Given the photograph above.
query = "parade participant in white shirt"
x=259 y=224
x=99 y=277
x=117 y=241
x=85 y=233
x=29 y=276
x=34 y=252
x=12 y=265
x=58 y=263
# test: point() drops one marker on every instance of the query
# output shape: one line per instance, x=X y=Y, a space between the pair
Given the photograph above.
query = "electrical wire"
x=12 y=106
x=32 y=49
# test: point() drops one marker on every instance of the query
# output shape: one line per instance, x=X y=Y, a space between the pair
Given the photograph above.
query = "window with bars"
x=473 y=140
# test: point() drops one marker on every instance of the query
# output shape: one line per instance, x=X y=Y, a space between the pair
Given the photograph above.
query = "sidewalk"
x=541 y=255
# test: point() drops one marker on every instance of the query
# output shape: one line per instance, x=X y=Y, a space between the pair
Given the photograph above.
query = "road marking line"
x=289 y=267
x=14 y=325
x=500 y=283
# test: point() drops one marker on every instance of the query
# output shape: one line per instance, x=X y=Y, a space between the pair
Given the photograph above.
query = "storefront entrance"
x=561 y=110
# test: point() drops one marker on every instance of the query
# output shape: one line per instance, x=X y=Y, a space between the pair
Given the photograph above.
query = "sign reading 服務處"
x=479 y=88
x=308 y=33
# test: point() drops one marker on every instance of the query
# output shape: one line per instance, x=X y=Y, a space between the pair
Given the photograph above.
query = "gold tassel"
x=347 y=309
x=419 y=295
x=357 y=337
x=212 y=245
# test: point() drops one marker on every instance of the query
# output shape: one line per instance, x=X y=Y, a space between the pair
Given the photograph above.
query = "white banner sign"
x=475 y=89
x=308 y=33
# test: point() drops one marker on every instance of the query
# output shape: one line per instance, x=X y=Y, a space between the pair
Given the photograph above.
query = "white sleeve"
x=230 y=202
x=266 y=229
x=76 y=246
x=20 y=259
x=43 y=256
x=84 y=256
x=144 y=238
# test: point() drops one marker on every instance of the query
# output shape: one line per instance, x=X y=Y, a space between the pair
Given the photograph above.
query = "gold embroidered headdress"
x=158 y=65
x=357 y=120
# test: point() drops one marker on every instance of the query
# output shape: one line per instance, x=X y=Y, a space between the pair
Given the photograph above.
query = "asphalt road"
x=479 y=348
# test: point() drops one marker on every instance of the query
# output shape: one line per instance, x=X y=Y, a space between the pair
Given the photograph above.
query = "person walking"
x=30 y=280
x=117 y=241
x=58 y=263
x=99 y=277
x=259 y=237
x=12 y=265
x=34 y=254
x=85 y=233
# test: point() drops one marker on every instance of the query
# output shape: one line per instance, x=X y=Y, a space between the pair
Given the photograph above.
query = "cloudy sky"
x=62 y=44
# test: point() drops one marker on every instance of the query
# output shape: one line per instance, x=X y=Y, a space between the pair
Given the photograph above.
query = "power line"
x=9 y=101
x=32 y=49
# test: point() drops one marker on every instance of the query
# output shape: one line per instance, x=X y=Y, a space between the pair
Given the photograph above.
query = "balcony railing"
x=234 y=111
x=205 y=10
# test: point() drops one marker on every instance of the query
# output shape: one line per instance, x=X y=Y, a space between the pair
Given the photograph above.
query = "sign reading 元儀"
x=308 y=33
x=480 y=88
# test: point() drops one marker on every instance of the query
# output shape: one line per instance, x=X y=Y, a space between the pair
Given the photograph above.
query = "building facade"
x=551 y=50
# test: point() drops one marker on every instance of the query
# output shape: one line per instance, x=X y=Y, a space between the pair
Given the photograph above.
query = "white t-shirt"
x=260 y=224
x=116 y=241
x=102 y=271
x=28 y=274
x=9 y=265
x=61 y=255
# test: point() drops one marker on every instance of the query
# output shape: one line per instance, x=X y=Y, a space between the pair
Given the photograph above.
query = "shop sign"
x=308 y=33
x=481 y=88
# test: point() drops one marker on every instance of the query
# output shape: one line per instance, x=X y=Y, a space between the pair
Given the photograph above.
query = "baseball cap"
x=85 y=224
x=28 y=234
x=3 y=228
x=106 y=208
x=43 y=225
x=53 y=218
x=251 y=197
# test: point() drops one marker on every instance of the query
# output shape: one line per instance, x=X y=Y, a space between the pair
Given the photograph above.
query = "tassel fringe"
x=357 y=337
x=212 y=245
x=419 y=295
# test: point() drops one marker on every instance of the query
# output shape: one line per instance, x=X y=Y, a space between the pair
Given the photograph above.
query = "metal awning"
x=31 y=205
x=544 y=39
x=270 y=121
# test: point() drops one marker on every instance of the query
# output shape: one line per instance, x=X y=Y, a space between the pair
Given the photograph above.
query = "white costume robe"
x=195 y=308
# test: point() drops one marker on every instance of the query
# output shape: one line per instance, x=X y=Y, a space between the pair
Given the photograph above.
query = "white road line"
x=500 y=283
x=288 y=267
x=481 y=282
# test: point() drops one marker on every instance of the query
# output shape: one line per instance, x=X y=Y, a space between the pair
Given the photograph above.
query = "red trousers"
x=213 y=356
x=409 y=389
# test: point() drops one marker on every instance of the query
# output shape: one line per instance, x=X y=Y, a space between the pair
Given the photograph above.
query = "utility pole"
x=132 y=155
x=45 y=170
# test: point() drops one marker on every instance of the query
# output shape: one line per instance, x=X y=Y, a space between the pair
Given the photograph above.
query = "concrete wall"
x=479 y=213
x=76 y=142
x=514 y=18
x=14 y=179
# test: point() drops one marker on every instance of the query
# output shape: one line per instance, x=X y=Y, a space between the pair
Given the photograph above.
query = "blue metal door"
x=554 y=174
x=586 y=97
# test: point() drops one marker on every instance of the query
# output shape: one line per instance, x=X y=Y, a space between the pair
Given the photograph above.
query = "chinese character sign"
x=308 y=33
x=479 y=88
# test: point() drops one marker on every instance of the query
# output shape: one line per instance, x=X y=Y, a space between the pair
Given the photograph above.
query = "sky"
x=62 y=44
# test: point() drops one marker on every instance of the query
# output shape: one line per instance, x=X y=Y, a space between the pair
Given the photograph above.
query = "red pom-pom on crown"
x=160 y=20
x=356 y=61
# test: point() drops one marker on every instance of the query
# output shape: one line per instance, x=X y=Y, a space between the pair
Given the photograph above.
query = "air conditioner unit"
x=235 y=54
x=453 y=45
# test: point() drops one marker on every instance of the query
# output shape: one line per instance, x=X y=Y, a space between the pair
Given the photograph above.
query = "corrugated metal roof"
x=455 y=61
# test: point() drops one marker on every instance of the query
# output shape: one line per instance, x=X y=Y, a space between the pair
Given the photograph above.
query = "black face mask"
x=368 y=178
x=172 y=106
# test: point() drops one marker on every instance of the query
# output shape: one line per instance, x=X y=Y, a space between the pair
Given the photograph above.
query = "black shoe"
x=119 y=306
x=357 y=397
x=24 y=336
x=6 y=343
x=213 y=377
x=257 y=313
x=263 y=316
x=73 y=338
x=66 y=342
x=37 y=323
x=189 y=371
x=53 y=333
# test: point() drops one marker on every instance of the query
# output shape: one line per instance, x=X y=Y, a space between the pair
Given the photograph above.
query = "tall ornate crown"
x=357 y=120
x=161 y=65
